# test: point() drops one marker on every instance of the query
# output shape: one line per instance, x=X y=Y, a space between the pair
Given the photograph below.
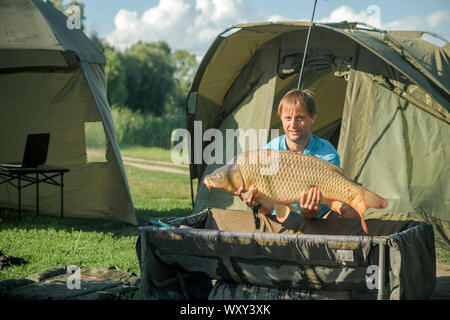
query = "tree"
x=117 y=92
x=98 y=42
x=149 y=76
x=185 y=65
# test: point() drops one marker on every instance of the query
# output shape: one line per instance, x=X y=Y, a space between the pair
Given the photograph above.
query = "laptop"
x=35 y=154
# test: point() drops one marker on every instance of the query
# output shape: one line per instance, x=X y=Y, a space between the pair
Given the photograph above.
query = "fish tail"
x=367 y=200
x=360 y=207
x=372 y=200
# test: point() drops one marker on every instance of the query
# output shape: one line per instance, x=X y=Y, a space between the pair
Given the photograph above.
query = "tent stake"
x=306 y=46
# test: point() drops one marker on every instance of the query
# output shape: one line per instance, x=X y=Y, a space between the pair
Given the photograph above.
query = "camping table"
x=28 y=176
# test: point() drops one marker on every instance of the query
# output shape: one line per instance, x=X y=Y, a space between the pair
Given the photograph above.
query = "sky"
x=194 y=24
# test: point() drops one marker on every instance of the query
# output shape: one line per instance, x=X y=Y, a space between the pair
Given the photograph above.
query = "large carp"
x=281 y=176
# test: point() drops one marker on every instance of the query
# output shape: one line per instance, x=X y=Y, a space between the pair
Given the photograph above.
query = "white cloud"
x=417 y=23
x=370 y=16
x=373 y=16
x=168 y=20
x=437 y=18
x=194 y=25
x=182 y=25
x=407 y=23
x=276 y=17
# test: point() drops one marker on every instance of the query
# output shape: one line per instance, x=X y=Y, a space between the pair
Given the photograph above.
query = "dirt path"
x=154 y=165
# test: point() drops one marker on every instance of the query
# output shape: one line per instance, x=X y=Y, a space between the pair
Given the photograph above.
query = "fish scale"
x=284 y=181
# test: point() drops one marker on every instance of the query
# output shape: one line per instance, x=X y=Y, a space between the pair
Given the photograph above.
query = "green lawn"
x=47 y=241
x=149 y=153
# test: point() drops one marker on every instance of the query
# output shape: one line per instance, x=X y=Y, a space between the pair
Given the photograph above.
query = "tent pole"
x=192 y=193
x=306 y=46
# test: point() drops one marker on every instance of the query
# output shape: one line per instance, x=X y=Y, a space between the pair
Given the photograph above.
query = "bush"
x=136 y=128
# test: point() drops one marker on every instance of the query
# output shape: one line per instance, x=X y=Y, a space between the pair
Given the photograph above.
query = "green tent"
x=383 y=100
x=52 y=79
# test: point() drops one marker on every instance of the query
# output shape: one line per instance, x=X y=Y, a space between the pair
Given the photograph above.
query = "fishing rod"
x=306 y=45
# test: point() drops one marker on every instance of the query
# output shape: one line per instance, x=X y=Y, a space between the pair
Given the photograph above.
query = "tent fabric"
x=428 y=58
x=33 y=31
x=235 y=50
x=96 y=80
x=57 y=84
x=414 y=181
x=36 y=25
x=70 y=39
x=440 y=106
x=252 y=113
x=382 y=98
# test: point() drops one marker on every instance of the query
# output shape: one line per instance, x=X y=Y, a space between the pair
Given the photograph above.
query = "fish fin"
x=360 y=209
x=282 y=212
x=333 y=205
x=292 y=208
x=357 y=205
x=367 y=200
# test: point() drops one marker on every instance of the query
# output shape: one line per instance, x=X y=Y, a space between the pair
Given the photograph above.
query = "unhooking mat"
x=71 y=283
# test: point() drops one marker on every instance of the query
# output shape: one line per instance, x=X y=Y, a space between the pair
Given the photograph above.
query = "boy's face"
x=297 y=123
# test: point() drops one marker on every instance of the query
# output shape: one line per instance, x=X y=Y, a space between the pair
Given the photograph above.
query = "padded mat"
x=234 y=220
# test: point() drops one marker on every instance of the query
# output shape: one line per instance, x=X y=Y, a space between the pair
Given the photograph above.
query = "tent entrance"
x=254 y=98
x=329 y=91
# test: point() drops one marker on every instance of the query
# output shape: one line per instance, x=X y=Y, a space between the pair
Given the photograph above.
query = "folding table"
x=26 y=176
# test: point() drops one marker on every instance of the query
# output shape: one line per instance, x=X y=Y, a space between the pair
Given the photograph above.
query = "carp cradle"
x=187 y=261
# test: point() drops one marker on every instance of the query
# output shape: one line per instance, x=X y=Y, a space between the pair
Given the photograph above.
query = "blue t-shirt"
x=318 y=147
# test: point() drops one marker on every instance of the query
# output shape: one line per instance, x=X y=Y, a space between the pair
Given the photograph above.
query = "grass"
x=136 y=128
x=157 y=185
x=148 y=153
x=443 y=256
x=46 y=241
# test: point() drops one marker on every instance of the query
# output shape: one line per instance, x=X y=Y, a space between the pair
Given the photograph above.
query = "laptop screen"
x=36 y=149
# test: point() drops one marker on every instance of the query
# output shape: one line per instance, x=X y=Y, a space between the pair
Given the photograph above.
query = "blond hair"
x=295 y=99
